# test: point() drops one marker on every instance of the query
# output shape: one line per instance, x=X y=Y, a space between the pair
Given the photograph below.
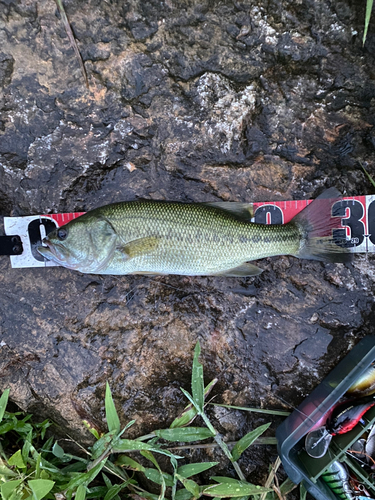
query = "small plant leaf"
x=190 y=485
x=40 y=487
x=185 y=418
x=8 y=488
x=113 y=421
x=247 y=440
x=103 y=444
x=4 y=471
x=183 y=495
x=151 y=457
x=155 y=476
x=184 y=434
x=85 y=478
x=234 y=488
x=197 y=385
x=16 y=460
x=3 y=402
x=57 y=450
x=192 y=469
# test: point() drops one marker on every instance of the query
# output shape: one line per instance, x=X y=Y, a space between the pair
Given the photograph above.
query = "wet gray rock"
x=191 y=101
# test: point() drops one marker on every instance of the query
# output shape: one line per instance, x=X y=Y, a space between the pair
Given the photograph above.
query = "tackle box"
x=299 y=466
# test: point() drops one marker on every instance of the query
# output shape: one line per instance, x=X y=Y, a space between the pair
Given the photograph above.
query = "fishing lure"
x=346 y=415
x=341 y=418
x=365 y=385
x=336 y=478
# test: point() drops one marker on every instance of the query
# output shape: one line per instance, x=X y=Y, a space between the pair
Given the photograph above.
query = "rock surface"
x=190 y=101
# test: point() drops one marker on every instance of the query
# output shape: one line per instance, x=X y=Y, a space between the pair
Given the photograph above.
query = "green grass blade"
x=103 y=444
x=367 y=19
x=155 y=476
x=113 y=421
x=234 y=489
x=113 y=491
x=3 y=403
x=197 y=385
x=192 y=469
x=81 y=492
x=190 y=412
x=151 y=457
x=369 y=176
x=256 y=410
x=302 y=492
x=85 y=478
x=123 y=445
x=184 y=434
x=248 y=440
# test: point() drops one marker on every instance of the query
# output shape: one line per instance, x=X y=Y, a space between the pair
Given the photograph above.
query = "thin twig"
x=259 y=440
x=72 y=40
x=271 y=477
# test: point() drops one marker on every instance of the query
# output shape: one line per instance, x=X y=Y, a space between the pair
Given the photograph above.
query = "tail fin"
x=316 y=223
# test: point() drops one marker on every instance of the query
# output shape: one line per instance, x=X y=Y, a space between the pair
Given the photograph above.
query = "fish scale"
x=151 y=237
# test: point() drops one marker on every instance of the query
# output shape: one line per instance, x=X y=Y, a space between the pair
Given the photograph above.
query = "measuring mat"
x=25 y=234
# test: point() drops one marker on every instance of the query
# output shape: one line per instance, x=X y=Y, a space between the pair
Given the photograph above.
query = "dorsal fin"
x=241 y=210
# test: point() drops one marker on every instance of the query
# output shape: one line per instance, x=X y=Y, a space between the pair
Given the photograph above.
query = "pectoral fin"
x=245 y=269
x=141 y=246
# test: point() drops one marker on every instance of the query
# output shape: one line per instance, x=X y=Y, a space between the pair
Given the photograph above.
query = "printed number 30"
x=354 y=222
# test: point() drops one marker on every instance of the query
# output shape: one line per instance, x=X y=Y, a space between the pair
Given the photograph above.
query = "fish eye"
x=62 y=234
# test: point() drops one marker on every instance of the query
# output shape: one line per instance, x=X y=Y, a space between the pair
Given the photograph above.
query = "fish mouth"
x=46 y=252
x=55 y=252
x=49 y=252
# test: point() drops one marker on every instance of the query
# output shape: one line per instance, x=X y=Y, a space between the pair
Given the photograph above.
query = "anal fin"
x=245 y=269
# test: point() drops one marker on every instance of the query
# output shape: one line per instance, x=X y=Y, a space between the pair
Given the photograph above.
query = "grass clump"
x=40 y=468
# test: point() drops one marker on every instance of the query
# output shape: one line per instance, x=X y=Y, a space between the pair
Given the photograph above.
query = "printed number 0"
x=35 y=236
x=269 y=214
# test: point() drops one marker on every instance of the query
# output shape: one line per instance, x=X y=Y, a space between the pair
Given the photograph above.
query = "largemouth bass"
x=195 y=239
